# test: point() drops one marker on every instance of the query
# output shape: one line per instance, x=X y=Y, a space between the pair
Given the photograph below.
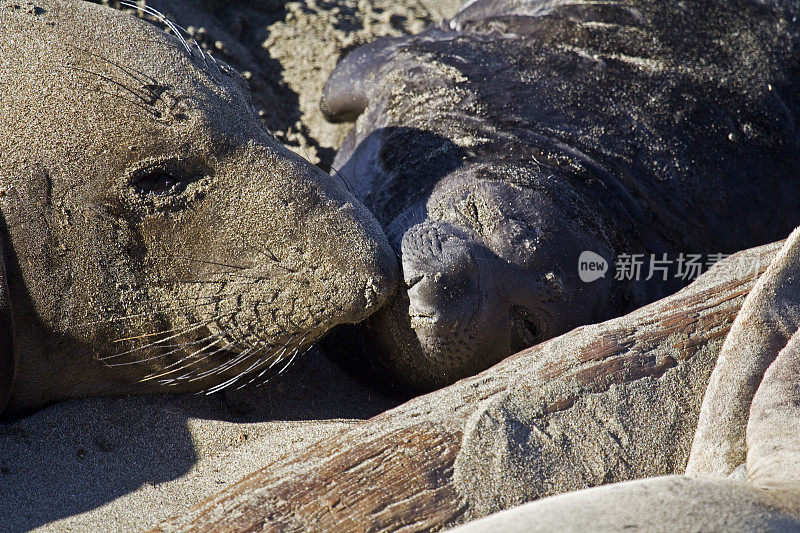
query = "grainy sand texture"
x=122 y=464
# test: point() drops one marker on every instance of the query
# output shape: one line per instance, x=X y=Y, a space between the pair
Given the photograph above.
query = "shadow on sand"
x=81 y=454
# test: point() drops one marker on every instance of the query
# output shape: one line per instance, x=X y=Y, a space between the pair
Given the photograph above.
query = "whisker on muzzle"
x=183 y=331
x=245 y=372
x=293 y=354
x=276 y=356
x=180 y=365
x=187 y=377
x=214 y=299
x=220 y=369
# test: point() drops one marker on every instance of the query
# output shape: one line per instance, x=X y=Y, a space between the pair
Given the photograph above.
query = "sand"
x=104 y=464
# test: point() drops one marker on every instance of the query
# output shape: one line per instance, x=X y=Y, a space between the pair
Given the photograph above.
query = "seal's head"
x=154 y=232
x=490 y=268
x=489 y=237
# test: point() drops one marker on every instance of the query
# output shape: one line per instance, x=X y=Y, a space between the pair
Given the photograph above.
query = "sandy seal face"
x=499 y=146
x=156 y=237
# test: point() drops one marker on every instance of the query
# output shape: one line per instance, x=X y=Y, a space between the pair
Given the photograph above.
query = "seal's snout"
x=366 y=268
x=379 y=274
x=442 y=279
x=347 y=261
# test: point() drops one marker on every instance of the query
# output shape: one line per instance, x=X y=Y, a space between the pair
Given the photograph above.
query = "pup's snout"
x=442 y=278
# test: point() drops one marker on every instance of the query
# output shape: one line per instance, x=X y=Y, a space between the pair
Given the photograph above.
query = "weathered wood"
x=603 y=403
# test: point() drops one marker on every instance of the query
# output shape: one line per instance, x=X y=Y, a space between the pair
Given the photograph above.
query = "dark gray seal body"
x=498 y=146
x=155 y=237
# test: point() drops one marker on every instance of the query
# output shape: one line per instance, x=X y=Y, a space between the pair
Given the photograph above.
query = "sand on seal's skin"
x=126 y=463
x=122 y=464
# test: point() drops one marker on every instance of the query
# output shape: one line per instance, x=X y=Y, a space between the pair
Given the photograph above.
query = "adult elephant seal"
x=763 y=493
x=500 y=145
x=154 y=235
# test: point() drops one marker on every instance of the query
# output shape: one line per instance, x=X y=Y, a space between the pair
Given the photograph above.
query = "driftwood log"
x=603 y=403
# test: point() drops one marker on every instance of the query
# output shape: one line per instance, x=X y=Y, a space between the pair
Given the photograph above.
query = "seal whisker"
x=176 y=348
x=186 y=366
x=214 y=263
x=147 y=96
x=187 y=375
x=272 y=357
x=234 y=379
x=237 y=268
x=179 y=364
x=168 y=282
x=292 y=355
x=211 y=299
x=297 y=353
x=150 y=313
x=137 y=75
x=159 y=356
x=263 y=359
x=269 y=378
x=162 y=18
x=239 y=275
x=150 y=345
x=270 y=350
x=134 y=337
x=227 y=365
x=277 y=355
x=152 y=115
x=178 y=30
x=141 y=95
x=288 y=361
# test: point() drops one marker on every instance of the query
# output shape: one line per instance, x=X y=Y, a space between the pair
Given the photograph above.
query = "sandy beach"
x=104 y=464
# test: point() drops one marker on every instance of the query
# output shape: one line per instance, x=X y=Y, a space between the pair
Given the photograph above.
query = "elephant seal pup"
x=500 y=145
x=155 y=237
x=761 y=495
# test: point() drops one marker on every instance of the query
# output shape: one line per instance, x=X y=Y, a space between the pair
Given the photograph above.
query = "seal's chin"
x=459 y=345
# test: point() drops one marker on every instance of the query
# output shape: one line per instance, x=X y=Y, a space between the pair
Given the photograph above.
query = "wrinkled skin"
x=498 y=146
x=156 y=237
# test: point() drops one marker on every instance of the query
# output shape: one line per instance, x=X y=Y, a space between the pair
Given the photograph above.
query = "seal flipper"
x=346 y=93
x=773 y=430
x=8 y=364
x=769 y=317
